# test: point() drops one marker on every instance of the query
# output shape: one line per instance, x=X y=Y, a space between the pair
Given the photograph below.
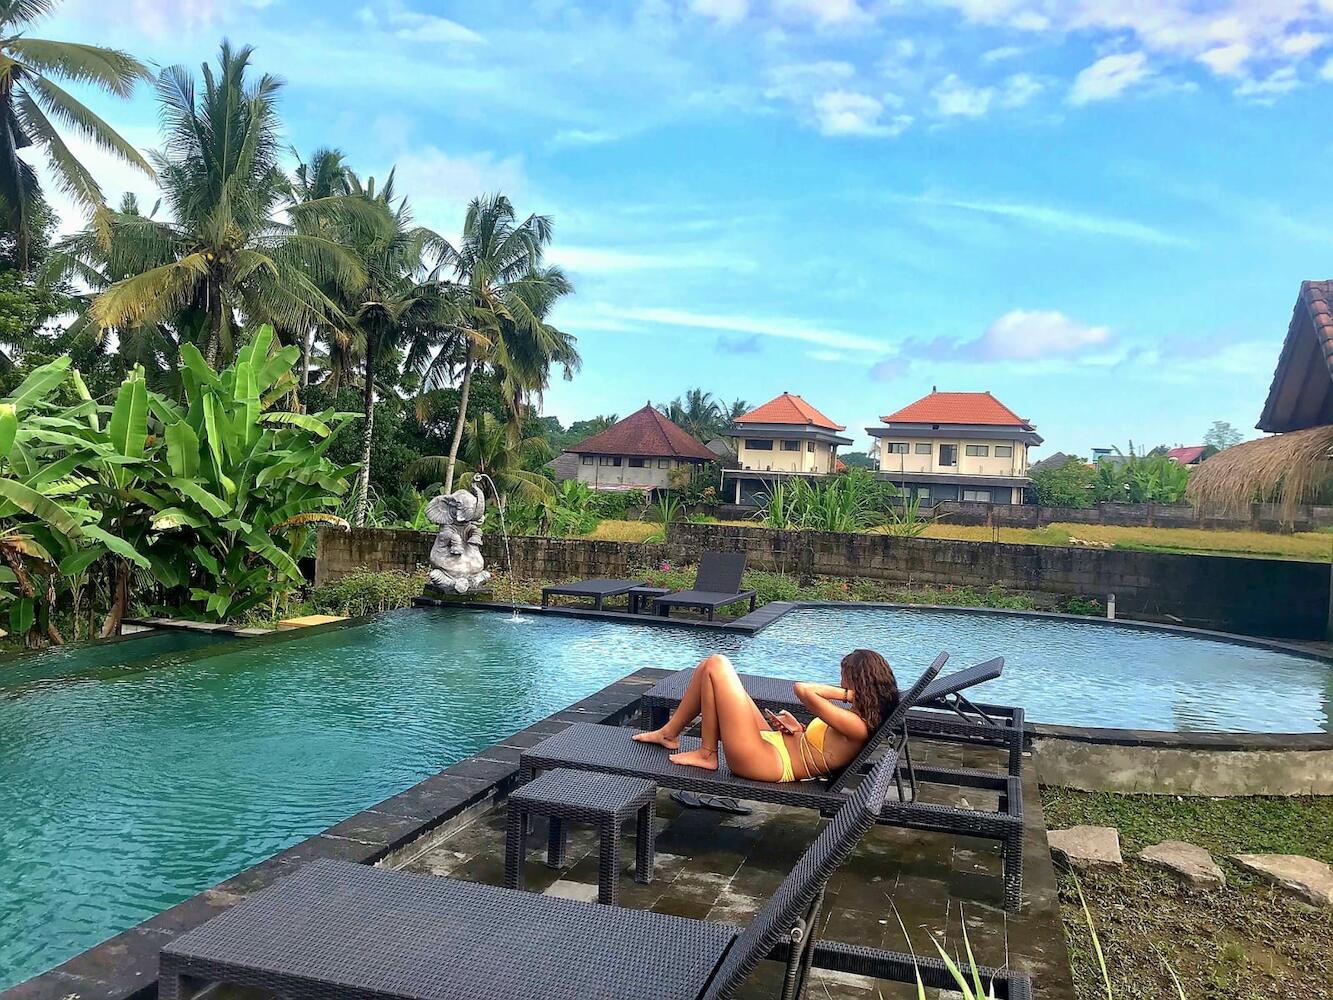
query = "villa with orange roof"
x=956 y=446
x=784 y=437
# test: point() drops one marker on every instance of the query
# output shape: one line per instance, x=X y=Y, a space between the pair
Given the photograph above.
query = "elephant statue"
x=455 y=558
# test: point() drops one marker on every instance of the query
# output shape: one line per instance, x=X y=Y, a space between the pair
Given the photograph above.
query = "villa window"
x=896 y=447
x=1004 y=451
x=637 y=463
x=757 y=444
x=791 y=446
x=948 y=454
x=922 y=448
x=978 y=451
x=587 y=460
x=981 y=496
x=810 y=446
x=664 y=463
x=923 y=492
x=613 y=462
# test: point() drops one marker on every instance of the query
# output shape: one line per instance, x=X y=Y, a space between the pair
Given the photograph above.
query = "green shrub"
x=1082 y=606
x=365 y=593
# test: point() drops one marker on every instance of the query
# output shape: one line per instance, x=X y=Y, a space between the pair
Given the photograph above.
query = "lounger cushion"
x=404 y=935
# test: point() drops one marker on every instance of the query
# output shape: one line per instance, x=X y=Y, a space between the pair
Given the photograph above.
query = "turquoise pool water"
x=133 y=785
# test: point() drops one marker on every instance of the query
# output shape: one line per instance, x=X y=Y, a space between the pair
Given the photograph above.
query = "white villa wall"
x=819 y=460
x=968 y=465
x=600 y=469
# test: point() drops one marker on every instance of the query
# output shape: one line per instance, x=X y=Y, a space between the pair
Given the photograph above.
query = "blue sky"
x=1100 y=211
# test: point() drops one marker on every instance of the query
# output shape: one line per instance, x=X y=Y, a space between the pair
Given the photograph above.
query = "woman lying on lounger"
x=784 y=750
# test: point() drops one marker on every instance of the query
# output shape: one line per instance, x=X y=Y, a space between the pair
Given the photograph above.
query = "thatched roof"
x=1287 y=469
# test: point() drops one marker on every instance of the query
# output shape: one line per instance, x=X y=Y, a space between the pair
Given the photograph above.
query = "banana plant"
x=245 y=481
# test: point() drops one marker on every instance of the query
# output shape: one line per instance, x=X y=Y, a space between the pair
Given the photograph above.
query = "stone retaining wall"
x=1269 y=597
x=1261 y=517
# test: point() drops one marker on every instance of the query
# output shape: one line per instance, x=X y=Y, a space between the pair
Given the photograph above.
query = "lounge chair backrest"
x=890 y=723
x=961 y=680
x=797 y=891
x=720 y=572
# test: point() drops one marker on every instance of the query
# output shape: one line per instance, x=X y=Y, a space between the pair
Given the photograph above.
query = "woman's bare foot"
x=696 y=758
x=658 y=736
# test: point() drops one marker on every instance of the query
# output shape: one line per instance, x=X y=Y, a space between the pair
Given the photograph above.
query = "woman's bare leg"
x=730 y=714
x=691 y=704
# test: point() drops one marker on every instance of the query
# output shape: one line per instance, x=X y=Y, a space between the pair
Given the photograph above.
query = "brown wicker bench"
x=604 y=801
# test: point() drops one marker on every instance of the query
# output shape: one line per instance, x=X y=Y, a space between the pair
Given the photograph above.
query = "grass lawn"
x=625 y=531
x=1244 y=942
x=1313 y=546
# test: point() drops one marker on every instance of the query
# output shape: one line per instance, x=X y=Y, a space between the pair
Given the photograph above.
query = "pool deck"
x=710 y=865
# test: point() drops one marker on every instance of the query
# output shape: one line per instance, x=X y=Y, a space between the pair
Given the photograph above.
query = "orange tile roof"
x=788 y=409
x=647 y=433
x=957 y=408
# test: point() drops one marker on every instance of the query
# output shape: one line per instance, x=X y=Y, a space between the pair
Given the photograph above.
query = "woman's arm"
x=819 y=699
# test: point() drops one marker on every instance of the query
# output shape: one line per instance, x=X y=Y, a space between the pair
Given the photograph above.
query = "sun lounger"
x=612 y=750
x=340 y=931
x=716 y=584
x=945 y=712
x=598 y=589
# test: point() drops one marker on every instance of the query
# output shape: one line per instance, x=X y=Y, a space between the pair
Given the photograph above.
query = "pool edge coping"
x=124 y=966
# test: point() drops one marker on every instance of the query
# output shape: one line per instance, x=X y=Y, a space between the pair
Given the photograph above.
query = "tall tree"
x=1221 y=436
x=697 y=412
x=32 y=104
x=227 y=255
x=398 y=309
x=506 y=293
x=317 y=181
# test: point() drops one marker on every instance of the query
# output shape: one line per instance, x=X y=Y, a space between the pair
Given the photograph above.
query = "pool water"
x=129 y=787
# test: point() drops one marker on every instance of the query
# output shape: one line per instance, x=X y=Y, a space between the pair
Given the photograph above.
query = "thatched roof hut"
x=1294 y=465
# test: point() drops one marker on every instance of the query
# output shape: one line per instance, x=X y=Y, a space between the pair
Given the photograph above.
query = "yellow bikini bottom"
x=775 y=738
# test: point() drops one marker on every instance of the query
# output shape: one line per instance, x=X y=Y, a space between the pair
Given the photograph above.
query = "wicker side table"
x=604 y=801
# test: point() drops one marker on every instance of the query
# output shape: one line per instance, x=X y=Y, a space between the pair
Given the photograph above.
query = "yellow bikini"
x=812 y=742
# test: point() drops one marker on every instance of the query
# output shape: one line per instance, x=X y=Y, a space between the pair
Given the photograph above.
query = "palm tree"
x=506 y=293
x=697 y=413
x=31 y=103
x=224 y=250
x=322 y=179
x=399 y=307
x=488 y=447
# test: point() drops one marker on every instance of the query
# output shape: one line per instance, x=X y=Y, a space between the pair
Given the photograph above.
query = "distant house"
x=638 y=453
x=1057 y=461
x=956 y=446
x=784 y=438
x=1189 y=456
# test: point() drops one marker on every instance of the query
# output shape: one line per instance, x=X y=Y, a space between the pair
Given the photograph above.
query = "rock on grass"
x=1087 y=848
x=1305 y=878
x=1189 y=863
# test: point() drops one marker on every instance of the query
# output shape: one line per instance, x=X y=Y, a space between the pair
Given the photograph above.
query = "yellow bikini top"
x=812 y=742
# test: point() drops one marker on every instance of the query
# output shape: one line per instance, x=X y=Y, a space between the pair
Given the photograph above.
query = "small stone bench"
x=602 y=800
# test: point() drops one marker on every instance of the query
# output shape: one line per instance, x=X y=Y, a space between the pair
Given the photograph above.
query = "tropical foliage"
x=1123 y=478
x=703 y=414
x=852 y=501
x=211 y=500
x=34 y=106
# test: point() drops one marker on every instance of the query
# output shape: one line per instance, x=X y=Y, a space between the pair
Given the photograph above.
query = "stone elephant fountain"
x=455 y=558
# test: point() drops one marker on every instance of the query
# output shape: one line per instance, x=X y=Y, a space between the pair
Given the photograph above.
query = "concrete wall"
x=1267 y=597
x=807 y=456
x=1255 y=596
x=1261 y=517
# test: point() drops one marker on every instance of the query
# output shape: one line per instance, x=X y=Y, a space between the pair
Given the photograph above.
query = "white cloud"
x=440 y=185
x=823 y=13
x=722 y=11
x=1109 y=77
x=1001 y=53
x=1019 y=89
x=1051 y=217
x=583 y=137
x=954 y=98
x=846 y=112
x=1226 y=60
x=1302 y=44
x=1023 y=334
x=1276 y=83
x=782 y=328
x=414 y=26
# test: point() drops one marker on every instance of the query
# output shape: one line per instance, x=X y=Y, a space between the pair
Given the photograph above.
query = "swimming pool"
x=130 y=787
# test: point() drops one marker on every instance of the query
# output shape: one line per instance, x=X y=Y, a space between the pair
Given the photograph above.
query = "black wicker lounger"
x=598 y=589
x=716 y=584
x=612 y=750
x=945 y=713
x=339 y=931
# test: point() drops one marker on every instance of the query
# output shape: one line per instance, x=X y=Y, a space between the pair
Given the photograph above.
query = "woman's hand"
x=791 y=722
